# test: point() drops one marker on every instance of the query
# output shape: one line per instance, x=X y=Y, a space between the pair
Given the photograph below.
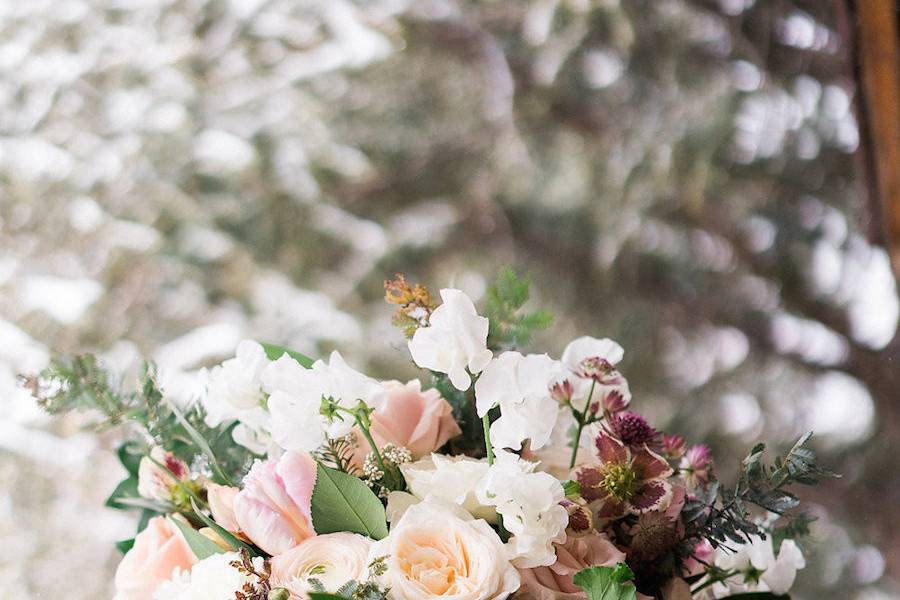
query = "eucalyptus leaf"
x=274 y=352
x=202 y=546
x=342 y=502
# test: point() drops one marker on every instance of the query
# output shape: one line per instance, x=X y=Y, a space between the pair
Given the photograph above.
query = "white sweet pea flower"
x=759 y=570
x=528 y=501
x=588 y=349
x=212 y=578
x=234 y=393
x=520 y=385
x=455 y=339
x=450 y=479
x=295 y=399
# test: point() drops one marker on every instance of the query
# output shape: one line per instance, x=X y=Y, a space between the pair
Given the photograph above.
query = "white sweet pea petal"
x=528 y=501
x=296 y=398
x=586 y=347
x=520 y=385
x=758 y=555
x=781 y=574
x=296 y=422
x=456 y=339
x=234 y=393
x=449 y=479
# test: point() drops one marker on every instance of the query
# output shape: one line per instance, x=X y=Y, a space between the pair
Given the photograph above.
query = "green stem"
x=582 y=418
x=486 y=425
x=362 y=419
x=713 y=581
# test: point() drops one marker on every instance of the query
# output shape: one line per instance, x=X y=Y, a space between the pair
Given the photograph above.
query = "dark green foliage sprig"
x=724 y=515
x=509 y=326
x=81 y=383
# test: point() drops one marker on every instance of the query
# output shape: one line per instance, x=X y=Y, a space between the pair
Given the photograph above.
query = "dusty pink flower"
x=273 y=509
x=577 y=553
x=672 y=446
x=158 y=550
x=696 y=465
x=419 y=421
x=562 y=391
x=616 y=399
x=624 y=481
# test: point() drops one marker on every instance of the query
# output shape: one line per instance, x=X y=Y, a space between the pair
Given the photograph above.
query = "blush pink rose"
x=273 y=509
x=578 y=552
x=420 y=421
x=158 y=550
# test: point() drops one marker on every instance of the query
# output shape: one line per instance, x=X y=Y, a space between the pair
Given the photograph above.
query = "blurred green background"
x=678 y=175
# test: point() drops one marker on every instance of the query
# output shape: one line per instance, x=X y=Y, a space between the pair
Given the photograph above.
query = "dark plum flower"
x=632 y=429
x=624 y=481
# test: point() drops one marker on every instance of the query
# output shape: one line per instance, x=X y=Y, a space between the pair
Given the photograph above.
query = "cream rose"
x=439 y=551
x=332 y=559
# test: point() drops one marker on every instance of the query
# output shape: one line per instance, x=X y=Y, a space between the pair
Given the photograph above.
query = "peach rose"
x=333 y=559
x=273 y=509
x=221 y=505
x=419 y=421
x=158 y=550
x=438 y=550
x=578 y=552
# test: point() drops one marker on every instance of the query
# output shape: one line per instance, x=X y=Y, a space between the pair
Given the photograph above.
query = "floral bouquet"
x=498 y=475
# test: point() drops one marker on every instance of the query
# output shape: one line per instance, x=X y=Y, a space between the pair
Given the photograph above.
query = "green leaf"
x=230 y=538
x=342 y=502
x=127 y=488
x=201 y=545
x=274 y=352
x=124 y=546
x=325 y=596
x=572 y=489
x=607 y=583
x=202 y=445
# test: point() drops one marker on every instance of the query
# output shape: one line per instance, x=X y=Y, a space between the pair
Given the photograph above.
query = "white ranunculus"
x=234 y=393
x=296 y=396
x=529 y=503
x=437 y=550
x=586 y=347
x=455 y=339
x=450 y=479
x=778 y=573
x=213 y=578
x=520 y=385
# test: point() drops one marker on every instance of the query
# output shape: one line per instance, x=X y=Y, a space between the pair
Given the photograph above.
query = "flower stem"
x=582 y=418
x=362 y=419
x=486 y=425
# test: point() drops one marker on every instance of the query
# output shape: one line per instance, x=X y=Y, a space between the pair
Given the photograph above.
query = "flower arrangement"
x=497 y=475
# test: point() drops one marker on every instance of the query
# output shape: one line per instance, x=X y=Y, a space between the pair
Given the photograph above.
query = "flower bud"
x=156 y=481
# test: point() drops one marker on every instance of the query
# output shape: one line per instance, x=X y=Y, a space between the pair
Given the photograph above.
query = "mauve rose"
x=420 y=421
x=158 y=550
x=273 y=509
x=578 y=552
